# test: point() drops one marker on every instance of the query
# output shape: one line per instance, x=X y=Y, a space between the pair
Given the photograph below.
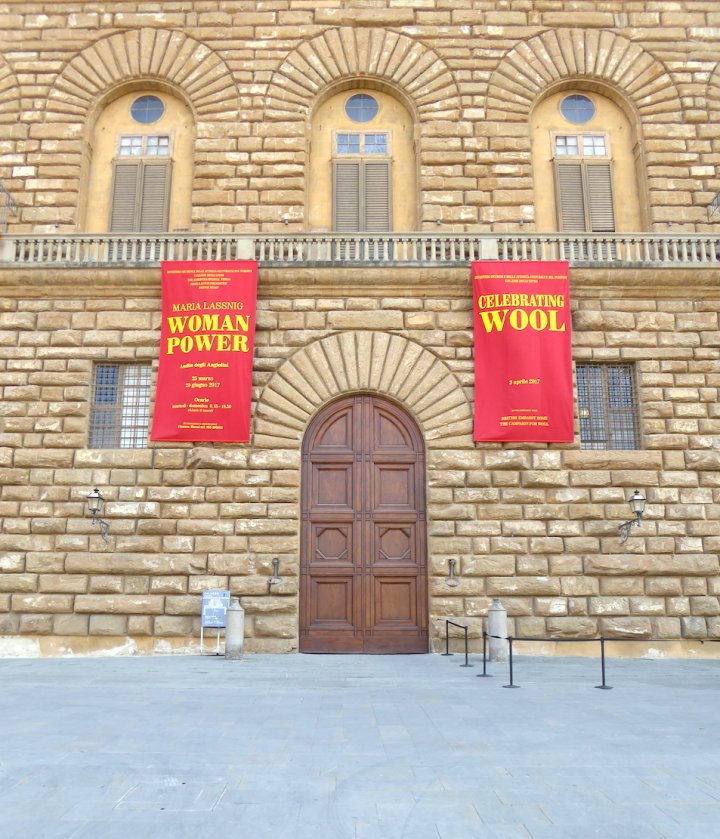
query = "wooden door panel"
x=332 y=487
x=363 y=564
x=394 y=603
x=331 y=545
x=332 y=602
x=394 y=546
x=393 y=487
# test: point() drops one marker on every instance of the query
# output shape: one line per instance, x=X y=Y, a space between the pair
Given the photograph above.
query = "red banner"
x=206 y=352
x=523 y=359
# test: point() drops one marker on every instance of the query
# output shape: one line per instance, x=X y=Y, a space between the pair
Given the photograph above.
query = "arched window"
x=141 y=165
x=584 y=165
x=362 y=164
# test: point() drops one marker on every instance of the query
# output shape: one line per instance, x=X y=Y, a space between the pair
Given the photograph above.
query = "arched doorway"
x=363 y=558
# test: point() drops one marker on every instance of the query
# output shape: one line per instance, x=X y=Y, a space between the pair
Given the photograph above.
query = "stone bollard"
x=234 y=630
x=497 y=625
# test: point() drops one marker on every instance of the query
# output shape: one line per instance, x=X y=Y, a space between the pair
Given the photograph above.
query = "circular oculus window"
x=577 y=109
x=361 y=107
x=147 y=109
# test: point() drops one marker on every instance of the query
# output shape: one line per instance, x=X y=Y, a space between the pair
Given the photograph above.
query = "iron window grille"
x=120 y=414
x=607 y=406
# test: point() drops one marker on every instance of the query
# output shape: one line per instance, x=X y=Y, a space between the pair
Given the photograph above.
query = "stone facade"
x=532 y=524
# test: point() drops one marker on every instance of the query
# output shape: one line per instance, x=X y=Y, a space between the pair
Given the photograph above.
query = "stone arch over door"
x=362 y=360
x=363 y=565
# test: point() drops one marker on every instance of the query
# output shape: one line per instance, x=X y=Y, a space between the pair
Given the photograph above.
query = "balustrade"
x=361 y=249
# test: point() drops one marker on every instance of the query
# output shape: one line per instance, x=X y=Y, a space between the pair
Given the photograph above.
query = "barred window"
x=120 y=413
x=607 y=406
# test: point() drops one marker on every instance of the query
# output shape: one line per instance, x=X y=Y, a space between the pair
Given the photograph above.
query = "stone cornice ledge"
x=48 y=281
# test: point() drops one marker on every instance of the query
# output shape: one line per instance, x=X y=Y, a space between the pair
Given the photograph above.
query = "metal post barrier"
x=467 y=664
x=603 y=686
x=448 y=624
x=447 y=638
x=510 y=659
x=484 y=672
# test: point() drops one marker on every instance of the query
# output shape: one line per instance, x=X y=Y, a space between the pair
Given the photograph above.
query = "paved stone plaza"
x=330 y=747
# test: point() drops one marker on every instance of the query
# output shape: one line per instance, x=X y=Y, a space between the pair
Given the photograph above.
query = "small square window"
x=566 y=145
x=594 y=146
x=131 y=146
x=158 y=146
x=376 y=144
x=348 y=144
x=607 y=406
x=120 y=411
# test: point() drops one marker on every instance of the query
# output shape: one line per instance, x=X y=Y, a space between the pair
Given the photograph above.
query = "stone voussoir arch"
x=591 y=55
x=144 y=54
x=9 y=93
x=373 y=54
x=712 y=94
x=360 y=360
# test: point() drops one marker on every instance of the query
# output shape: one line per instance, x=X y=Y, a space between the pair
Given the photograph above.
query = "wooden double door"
x=363 y=559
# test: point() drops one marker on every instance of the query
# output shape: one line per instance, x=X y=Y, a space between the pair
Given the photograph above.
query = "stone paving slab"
x=363 y=747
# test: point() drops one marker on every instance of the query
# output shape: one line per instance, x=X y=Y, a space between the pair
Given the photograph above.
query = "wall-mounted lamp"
x=96 y=504
x=276 y=578
x=451 y=580
x=637 y=505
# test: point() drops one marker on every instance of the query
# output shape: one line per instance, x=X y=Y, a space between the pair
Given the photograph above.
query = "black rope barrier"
x=602 y=641
x=448 y=624
x=484 y=673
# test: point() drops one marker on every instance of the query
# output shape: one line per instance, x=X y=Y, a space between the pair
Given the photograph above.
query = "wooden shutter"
x=601 y=210
x=570 y=197
x=346 y=196
x=140 y=197
x=126 y=180
x=154 y=198
x=376 y=182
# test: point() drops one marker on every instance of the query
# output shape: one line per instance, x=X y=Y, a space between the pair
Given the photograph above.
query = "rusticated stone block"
x=486 y=566
x=647 y=606
x=550 y=606
x=108 y=625
x=614 y=586
x=270 y=605
x=663 y=586
x=620 y=565
x=571 y=627
x=706 y=606
x=693 y=627
x=532 y=566
x=140 y=625
x=626 y=627
x=42 y=603
x=529 y=627
x=9 y=624
x=609 y=606
x=35 y=625
x=119 y=604
x=167 y=626
x=70 y=625
x=18 y=582
x=579 y=586
x=183 y=604
x=519 y=586
x=274 y=626
x=667 y=628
